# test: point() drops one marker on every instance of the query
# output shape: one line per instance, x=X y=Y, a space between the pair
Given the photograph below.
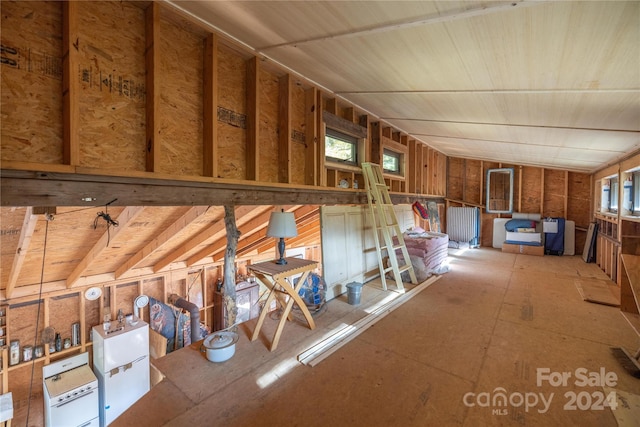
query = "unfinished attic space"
x=371 y=213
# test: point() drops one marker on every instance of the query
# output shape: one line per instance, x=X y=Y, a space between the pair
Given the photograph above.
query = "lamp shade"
x=282 y=224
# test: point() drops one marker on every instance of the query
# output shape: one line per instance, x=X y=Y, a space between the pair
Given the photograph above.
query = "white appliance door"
x=123 y=348
x=81 y=412
x=124 y=387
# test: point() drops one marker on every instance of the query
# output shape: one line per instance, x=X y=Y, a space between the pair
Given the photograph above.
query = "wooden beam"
x=26 y=232
x=152 y=63
x=125 y=218
x=343 y=125
x=29 y=188
x=284 y=128
x=166 y=235
x=253 y=119
x=210 y=107
x=311 y=137
x=70 y=83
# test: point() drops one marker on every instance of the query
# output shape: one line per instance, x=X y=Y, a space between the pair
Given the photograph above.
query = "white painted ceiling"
x=553 y=84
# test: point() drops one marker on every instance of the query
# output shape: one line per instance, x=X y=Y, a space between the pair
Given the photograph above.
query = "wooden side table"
x=274 y=277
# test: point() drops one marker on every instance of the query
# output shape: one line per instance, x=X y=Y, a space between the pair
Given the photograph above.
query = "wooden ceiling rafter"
x=214 y=232
x=169 y=233
x=246 y=229
x=304 y=215
x=260 y=237
x=125 y=218
x=26 y=233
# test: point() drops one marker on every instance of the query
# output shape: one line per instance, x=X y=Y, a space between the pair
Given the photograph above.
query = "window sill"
x=342 y=167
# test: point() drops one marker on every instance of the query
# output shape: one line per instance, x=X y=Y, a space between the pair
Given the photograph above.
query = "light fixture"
x=282 y=224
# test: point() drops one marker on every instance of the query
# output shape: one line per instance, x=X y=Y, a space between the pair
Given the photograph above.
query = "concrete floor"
x=443 y=358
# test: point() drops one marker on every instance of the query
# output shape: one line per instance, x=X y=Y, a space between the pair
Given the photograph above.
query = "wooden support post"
x=542 y=192
x=233 y=234
x=210 y=107
x=322 y=173
x=311 y=137
x=412 y=160
x=253 y=118
x=376 y=143
x=520 y=189
x=152 y=62
x=566 y=194
x=284 y=129
x=70 y=84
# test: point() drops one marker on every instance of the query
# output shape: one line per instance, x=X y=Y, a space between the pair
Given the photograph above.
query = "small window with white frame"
x=340 y=147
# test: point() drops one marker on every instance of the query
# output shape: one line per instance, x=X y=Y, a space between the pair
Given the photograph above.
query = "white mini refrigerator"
x=121 y=363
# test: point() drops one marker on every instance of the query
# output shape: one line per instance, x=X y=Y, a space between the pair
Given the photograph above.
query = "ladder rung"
x=404 y=268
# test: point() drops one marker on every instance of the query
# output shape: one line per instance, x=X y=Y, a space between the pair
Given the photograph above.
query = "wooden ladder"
x=385 y=224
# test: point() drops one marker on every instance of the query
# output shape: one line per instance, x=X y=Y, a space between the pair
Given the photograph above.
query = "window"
x=339 y=147
x=613 y=194
x=391 y=162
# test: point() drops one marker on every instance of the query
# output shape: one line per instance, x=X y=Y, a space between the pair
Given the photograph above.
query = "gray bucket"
x=354 y=289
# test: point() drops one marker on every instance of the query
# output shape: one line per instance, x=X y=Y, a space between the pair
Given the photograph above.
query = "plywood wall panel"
x=112 y=85
x=554 y=193
x=125 y=295
x=91 y=316
x=268 y=89
x=181 y=100
x=22 y=323
x=11 y=220
x=231 y=97
x=579 y=199
x=64 y=311
x=473 y=180
x=455 y=182
x=154 y=288
x=19 y=385
x=31 y=83
x=298 y=144
x=531 y=189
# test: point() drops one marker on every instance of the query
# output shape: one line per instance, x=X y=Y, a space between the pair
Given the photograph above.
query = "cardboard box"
x=523 y=249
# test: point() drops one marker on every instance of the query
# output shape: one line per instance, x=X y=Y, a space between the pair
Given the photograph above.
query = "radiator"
x=463 y=225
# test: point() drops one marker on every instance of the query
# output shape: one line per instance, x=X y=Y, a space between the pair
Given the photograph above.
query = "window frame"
x=344 y=137
x=614 y=191
x=399 y=159
x=635 y=190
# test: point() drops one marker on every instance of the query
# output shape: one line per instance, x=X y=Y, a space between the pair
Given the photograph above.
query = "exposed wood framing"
x=124 y=219
x=152 y=61
x=253 y=113
x=247 y=229
x=344 y=125
x=322 y=175
x=26 y=232
x=210 y=105
x=311 y=140
x=28 y=188
x=171 y=231
x=70 y=84
x=284 y=129
x=215 y=233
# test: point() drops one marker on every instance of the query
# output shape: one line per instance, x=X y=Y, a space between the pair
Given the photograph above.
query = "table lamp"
x=282 y=224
